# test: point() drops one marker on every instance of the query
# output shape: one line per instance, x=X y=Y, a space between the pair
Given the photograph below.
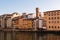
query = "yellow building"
x=25 y=23
x=22 y=23
x=15 y=22
x=52 y=20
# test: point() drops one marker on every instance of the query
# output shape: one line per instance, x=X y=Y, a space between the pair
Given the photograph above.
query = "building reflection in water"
x=28 y=36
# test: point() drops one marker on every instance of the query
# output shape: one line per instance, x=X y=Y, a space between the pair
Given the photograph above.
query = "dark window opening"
x=58 y=26
x=49 y=18
x=49 y=26
x=52 y=26
x=57 y=17
x=55 y=26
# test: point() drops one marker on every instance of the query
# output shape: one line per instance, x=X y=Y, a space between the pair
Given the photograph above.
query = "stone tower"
x=38 y=14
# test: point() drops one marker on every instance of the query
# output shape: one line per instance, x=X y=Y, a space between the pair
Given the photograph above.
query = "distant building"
x=22 y=23
x=38 y=24
x=24 y=15
x=25 y=21
x=15 y=22
x=43 y=24
x=38 y=20
x=6 y=20
x=52 y=20
x=38 y=13
x=31 y=15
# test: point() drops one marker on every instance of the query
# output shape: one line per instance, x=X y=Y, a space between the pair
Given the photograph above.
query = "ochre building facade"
x=52 y=20
x=22 y=23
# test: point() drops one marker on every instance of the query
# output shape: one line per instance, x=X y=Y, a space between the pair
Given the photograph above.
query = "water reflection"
x=28 y=36
x=53 y=37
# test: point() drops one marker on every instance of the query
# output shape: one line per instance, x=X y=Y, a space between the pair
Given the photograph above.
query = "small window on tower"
x=58 y=26
x=49 y=26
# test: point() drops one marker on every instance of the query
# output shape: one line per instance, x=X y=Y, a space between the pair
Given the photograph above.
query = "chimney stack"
x=37 y=12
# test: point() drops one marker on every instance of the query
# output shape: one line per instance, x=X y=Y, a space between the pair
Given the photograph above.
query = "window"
x=49 y=21
x=57 y=17
x=49 y=18
x=57 y=13
x=57 y=21
x=49 y=26
x=58 y=26
x=54 y=17
x=52 y=26
x=55 y=26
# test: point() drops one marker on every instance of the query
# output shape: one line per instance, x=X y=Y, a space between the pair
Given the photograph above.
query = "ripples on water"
x=28 y=36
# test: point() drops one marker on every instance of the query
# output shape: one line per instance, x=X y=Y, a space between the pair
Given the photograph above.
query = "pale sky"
x=10 y=6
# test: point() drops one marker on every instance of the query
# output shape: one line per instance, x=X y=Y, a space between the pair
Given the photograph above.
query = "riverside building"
x=52 y=20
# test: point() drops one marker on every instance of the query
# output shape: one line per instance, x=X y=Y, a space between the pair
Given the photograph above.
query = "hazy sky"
x=9 y=6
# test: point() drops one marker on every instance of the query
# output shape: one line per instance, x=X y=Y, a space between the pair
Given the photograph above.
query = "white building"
x=9 y=21
x=37 y=24
x=31 y=15
x=6 y=19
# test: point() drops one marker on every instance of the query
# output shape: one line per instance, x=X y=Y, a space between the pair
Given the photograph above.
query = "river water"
x=28 y=36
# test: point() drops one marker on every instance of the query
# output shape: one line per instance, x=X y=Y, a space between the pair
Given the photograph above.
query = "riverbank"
x=38 y=31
